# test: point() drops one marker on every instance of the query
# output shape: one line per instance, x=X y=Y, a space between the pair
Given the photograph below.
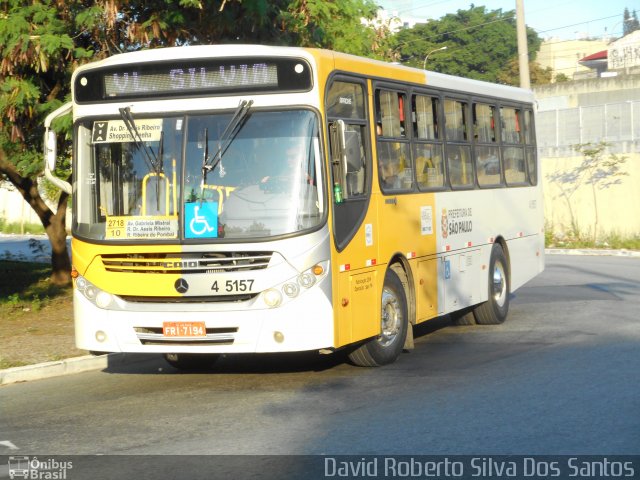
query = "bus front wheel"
x=386 y=347
x=494 y=310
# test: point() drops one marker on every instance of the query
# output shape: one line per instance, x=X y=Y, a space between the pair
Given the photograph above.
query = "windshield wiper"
x=209 y=163
x=154 y=162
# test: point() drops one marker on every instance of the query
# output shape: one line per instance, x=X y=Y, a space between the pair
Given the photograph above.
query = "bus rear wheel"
x=386 y=347
x=494 y=310
x=191 y=361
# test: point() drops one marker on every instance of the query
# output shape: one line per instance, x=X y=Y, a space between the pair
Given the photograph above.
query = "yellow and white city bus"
x=233 y=199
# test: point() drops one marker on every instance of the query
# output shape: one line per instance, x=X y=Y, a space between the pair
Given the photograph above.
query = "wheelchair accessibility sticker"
x=201 y=220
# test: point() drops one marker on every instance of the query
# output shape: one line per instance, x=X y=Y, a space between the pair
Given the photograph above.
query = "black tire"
x=386 y=347
x=494 y=311
x=191 y=361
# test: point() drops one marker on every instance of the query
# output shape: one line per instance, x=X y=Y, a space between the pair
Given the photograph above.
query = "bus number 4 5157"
x=233 y=286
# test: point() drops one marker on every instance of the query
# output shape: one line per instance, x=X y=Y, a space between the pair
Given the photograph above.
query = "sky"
x=564 y=19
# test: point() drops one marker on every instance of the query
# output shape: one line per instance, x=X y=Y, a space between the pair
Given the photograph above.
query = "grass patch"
x=21 y=228
x=26 y=285
x=4 y=363
x=612 y=241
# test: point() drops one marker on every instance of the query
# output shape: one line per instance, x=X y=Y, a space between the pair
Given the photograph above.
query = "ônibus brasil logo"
x=34 y=468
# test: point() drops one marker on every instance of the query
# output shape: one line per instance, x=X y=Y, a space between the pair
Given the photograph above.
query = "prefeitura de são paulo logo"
x=445 y=223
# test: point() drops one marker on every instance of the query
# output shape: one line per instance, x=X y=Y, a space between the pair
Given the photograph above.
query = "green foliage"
x=480 y=43
x=43 y=41
x=613 y=241
x=19 y=228
x=21 y=281
x=510 y=75
x=331 y=24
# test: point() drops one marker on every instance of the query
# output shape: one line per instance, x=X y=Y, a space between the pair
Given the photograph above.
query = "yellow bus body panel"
x=91 y=266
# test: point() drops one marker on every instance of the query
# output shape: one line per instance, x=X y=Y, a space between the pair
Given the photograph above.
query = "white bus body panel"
x=305 y=324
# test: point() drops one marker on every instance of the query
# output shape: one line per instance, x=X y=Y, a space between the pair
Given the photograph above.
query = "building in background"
x=564 y=56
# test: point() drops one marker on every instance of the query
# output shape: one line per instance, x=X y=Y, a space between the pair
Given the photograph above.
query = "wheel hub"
x=499 y=284
x=391 y=318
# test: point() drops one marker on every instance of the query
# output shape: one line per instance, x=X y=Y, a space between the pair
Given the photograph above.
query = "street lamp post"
x=424 y=64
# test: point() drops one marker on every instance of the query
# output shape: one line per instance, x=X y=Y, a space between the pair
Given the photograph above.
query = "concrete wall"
x=590 y=111
x=588 y=92
x=618 y=205
x=14 y=209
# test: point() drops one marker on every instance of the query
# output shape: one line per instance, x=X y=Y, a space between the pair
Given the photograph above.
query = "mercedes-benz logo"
x=181 y=285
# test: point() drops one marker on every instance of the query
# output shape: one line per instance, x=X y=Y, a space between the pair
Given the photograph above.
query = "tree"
x=42 y=42
x=630 y=22
x=599 y=172
x=37 y=55
x=480 y=43
x=511 y=74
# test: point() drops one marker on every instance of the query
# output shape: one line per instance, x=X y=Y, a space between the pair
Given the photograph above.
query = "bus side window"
x=455 y=113
x=356 y=161
x=512 y=150
x=345 y=101
x=395 y=167
x=530 y=141
x=391 y=114
x=487 y=154
x=427 y=147
x=458 y=149
x=460 y=166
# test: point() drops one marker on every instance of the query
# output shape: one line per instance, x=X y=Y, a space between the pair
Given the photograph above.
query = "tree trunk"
x=54 y=224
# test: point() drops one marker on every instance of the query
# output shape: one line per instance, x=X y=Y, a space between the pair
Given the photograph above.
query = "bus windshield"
x=150 y=183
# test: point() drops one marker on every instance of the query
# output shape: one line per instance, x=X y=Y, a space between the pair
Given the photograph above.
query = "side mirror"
x=50 y=149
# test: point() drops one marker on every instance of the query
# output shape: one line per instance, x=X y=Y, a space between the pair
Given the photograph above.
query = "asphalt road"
x=559 y=377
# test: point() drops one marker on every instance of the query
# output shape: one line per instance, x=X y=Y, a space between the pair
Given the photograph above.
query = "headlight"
x=92 y=293
x=272 y=298
x=290 y=290
x=293 y=287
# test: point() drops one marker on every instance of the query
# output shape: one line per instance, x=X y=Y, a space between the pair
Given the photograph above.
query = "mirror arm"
x=50 y=148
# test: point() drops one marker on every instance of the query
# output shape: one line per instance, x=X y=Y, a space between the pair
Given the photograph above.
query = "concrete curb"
x=592 y=251
x=68 y=366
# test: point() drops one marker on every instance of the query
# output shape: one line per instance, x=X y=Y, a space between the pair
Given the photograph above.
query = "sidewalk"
x=69 y=366
x=90 y=362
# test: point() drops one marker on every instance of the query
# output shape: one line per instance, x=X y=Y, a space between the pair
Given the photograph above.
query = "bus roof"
x=341 y=61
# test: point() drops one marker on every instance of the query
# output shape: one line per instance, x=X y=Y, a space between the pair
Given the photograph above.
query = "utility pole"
x=523 y=51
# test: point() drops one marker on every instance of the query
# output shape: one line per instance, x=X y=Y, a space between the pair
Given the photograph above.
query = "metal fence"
x=615 y=123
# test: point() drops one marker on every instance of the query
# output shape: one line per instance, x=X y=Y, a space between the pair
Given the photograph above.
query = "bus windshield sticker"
x=116 y=131
x=148 y=227
x=201 y=220
x=426 y=220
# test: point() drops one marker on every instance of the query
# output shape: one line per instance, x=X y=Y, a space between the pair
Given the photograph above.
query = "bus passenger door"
x=355 y=297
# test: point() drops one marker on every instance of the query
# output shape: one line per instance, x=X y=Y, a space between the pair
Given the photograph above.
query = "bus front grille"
x=243 y=297
x=186 y=263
